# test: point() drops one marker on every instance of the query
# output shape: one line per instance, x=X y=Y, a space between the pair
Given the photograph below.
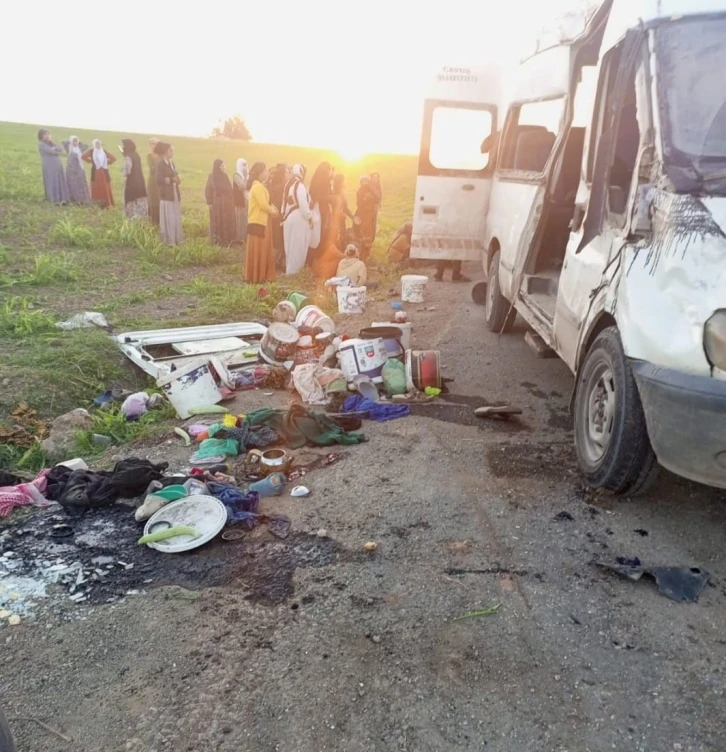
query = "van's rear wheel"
x=500 y=315
x=611 y=438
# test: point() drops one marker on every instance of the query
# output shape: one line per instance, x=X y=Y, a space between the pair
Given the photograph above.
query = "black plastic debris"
x=682 y=584
x=563 y=517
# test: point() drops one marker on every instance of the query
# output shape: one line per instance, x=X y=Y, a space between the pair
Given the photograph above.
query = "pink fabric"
x=24 y=494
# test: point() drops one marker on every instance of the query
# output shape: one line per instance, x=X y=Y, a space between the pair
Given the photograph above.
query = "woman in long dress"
x=218 y=193
x=100 y=160
x=167 y=178
x=325 y=260
x=339 y=206
x=320 y=188
x=76 y=171
x=259 y=258
x=278 y=180
x=136 y=204
x=297 y=220
x=240 y=199
x=152 y=188
x=378 y=198
x=54 y=177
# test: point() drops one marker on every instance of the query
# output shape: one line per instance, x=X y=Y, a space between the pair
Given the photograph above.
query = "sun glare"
x=351 y=153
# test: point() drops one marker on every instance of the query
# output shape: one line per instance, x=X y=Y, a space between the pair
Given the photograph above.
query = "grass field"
x=56 y=261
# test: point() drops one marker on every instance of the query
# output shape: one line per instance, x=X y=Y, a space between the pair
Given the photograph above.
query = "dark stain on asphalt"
x=534 y=390
x=529 y=460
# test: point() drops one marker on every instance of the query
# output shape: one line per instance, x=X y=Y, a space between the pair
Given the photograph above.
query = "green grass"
x=56 y=261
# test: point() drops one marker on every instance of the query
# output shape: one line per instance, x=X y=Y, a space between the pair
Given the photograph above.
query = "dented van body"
x=606 y=231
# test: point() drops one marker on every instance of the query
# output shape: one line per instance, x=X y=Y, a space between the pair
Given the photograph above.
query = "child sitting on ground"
x=351 y=266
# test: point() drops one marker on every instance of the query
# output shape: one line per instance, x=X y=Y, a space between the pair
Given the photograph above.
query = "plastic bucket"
x=299 y=300
x=351 y=299
x=413 y=288
x=423 y=368
x=391 y=336
x=191 y=386
x=405 y=328
x=362 y=357
x=279 y=343
x=311 y=317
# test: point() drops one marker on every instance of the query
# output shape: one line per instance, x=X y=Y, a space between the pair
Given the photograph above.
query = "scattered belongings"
x=22 y=494
x=370 y=546
x=185 y=524
x=377 y=411
x=300 y=491
x=413 y=288
x=497 y=412
x=479 y=293
x=678 y=583
x=84 y=321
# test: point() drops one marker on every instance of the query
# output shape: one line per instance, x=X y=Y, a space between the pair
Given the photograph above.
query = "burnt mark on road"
x=530 y=460
x=459 y=409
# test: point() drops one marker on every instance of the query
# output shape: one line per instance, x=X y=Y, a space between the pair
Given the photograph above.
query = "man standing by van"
x=456 y=275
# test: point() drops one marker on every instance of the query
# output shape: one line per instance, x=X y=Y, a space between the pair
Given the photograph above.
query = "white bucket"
x=413 y=288
x=351 y=299
x=189 y=387
x=312 y=317
x=362 y=357
x=406 y=330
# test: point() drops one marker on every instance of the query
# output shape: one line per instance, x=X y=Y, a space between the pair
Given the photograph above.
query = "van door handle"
x=467 y=187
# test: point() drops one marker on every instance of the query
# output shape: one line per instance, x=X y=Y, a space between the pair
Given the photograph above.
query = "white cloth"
x=296 y=228
x=316 y=228
x=74 y=148
x=99 y=155
x=242 y=169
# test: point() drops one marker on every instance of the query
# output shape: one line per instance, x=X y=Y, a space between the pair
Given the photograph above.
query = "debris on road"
x=481 y=612
x=370 y=546
x=683 y=584
x=497 y=412
x=85 y=320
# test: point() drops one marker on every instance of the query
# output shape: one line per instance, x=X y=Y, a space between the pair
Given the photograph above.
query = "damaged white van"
x=604 y=227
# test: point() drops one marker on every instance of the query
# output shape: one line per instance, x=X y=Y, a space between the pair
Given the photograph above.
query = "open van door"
x=454 y=170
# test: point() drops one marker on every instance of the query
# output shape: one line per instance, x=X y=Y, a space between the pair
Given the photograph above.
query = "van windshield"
x=691 y=63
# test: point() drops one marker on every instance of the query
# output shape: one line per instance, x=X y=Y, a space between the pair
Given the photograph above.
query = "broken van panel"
x=159 y=351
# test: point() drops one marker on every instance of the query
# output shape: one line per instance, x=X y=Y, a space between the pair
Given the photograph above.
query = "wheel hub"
x=600 y=412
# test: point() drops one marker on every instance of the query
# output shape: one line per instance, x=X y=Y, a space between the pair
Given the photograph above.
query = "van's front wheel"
x=611 y=438
x=500 y=315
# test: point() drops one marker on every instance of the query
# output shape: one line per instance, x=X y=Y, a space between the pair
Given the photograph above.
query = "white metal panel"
x=544 y=76
x=481 y=84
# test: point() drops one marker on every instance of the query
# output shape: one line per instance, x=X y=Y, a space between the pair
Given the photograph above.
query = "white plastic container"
x=413 y=288
x=351 y=300
x=406 y=330
x=362 y=357
x=191 y=386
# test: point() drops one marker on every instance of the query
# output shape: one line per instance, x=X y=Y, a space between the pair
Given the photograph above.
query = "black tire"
x=500 y=315
x=611 y=437
x=6 y=738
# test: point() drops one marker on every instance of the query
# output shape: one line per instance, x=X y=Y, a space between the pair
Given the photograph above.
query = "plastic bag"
x=394 y=377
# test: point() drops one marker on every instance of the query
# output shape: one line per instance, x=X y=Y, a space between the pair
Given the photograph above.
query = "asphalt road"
x=313 y=644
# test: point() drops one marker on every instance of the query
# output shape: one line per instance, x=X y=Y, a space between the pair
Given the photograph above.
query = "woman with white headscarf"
x=100 y=160
x=297 y=220
x=240 y=198
x=76 y=171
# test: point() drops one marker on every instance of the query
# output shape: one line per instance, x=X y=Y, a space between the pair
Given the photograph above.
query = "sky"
x=344 y=75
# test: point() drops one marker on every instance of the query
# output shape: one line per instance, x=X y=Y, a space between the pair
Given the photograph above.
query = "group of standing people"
x=284 y=225
x=288 y=225
x=156 y=199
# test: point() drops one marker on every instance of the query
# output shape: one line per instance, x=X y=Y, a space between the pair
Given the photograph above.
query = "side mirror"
x=486 y=144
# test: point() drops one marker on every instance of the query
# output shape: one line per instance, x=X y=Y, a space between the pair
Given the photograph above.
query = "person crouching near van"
x=351 y=266
x=456 y=275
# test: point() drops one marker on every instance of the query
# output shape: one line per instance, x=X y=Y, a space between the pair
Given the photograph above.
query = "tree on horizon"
x=233 y=128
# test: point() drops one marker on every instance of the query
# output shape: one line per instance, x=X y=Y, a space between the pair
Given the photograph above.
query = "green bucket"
x=299 y=300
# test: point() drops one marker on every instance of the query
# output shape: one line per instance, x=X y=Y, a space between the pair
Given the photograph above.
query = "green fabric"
x=213 y=447
x=394 y=377
x=299 y=426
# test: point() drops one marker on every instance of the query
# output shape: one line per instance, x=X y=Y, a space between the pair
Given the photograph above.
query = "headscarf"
x=242 y=170
x=128 y=147
x=257 y=169
x=153 y=141
x=364 y=179
x=75 y=148
x=41 y=133
x=161 y=148
x=221 y=180
x=100 y=160
x=298 y=171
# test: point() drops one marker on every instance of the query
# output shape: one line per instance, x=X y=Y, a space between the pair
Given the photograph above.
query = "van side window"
x=456 y=137
x=530 y=135
x=625 y=151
